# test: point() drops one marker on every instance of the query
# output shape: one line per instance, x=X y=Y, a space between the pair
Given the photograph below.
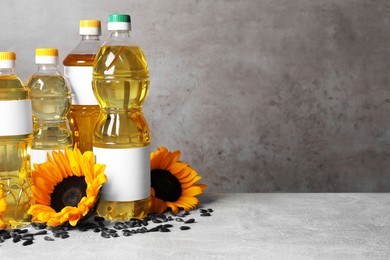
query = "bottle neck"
x=90 y=37
x=7 y=71
x=120 y=34
x=47 y=68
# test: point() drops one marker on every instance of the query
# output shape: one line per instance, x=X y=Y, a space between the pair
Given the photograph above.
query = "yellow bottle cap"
x=90 y=27
x=46 y=52
x=7 y=55
x=46 y=56
x=7 y=60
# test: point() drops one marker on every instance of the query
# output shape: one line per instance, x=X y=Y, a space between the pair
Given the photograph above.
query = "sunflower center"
x=68 y=192
x=166 y=186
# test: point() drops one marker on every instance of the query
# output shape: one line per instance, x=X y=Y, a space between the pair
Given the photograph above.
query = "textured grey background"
x=267 y=95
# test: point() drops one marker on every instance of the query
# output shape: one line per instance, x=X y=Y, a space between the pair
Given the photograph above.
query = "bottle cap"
x=119 y=22
x=7 y=60
x=90 y=27
x=46 y=56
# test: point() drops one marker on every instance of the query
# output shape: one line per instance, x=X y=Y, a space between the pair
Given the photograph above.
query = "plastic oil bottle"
x=51 y=98
x=15 y=142
x=122 y=138
x=84 y=110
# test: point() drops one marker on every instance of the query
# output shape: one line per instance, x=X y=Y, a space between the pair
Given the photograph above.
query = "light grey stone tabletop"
x=243 y=226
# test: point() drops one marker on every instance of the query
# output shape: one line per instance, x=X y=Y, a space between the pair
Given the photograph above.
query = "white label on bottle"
x=127 y=171
x=16 y=117
x=80 y=79
x=40 y=156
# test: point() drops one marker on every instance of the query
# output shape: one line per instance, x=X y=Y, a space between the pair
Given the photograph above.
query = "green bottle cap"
x=121 y=18
x=119 y=22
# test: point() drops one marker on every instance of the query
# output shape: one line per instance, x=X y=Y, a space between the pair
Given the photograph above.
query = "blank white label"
x=16 y=117
x=80 y=79
x=127 y=171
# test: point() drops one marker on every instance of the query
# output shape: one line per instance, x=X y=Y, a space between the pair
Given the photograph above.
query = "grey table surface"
x=244 y=226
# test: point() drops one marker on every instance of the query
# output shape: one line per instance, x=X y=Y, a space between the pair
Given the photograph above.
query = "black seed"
x=179 y=220
x=27 y=238
x=167 y=225
x=191 y=220
x=210 y=210
x=98 y=219
x=96 y=230
x=23 y=231
x=1 y=239
x=6 y=235
x=112 y=231
x=184 y=227
x=170 y=218
x=119 y=225
x=156 y=220
x=28 y=235
x=37 y=225
x=205 y=215
x=42 y=232
x=17 y=238
x=83 y=229
x=101 y=224
x=203 y=210
x=154 y=229
x=27 y=242
x=16 y=230
x=47 y=238
x=63 y=236
x=126 y=233
x=144 y=222
x=105 y=235
x=164 y=229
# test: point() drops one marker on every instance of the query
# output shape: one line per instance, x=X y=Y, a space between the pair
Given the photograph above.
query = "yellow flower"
x=3 y=208
x=66 y=187
x=173 y=182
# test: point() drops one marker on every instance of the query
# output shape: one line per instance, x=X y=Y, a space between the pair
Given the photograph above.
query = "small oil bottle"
x=15 y=142
x=84 y=110
x=122 y=137
x=51 y=98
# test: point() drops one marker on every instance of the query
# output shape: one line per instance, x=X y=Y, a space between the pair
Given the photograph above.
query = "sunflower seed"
x=179 y=220
x=42 y=232
x=105 y=234
x=1 y=239
x=83 y=229
x=120 y=225
x=205 y=214
x=96 y=230
x=164 y=229
x=6 y=235
x=17 y=238
x=98 y=219
x=28 y=235
x=167 y=225
x=38 y=226
x=210 y=210
x=191 y=220
x=27 y=242
x=63 y=236
x=154 y=229
x=170 y=218
x=156 y=221
x=115 y=235
x=126 y=233
x=184 y=227
x=47 y=238
x=203 y=210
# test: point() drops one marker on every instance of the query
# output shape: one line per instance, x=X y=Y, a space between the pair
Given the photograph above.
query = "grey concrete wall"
x=266 y=95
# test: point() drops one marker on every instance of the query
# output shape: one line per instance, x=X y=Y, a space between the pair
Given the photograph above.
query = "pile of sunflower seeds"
x=106 y=229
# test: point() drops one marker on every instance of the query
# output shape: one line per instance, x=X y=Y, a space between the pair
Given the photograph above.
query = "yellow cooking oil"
x=121 y=84
x=15 y=143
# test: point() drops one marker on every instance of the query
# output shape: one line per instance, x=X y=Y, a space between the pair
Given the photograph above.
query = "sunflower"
x=173 y=182
x=66 y=187
x=3 y=208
